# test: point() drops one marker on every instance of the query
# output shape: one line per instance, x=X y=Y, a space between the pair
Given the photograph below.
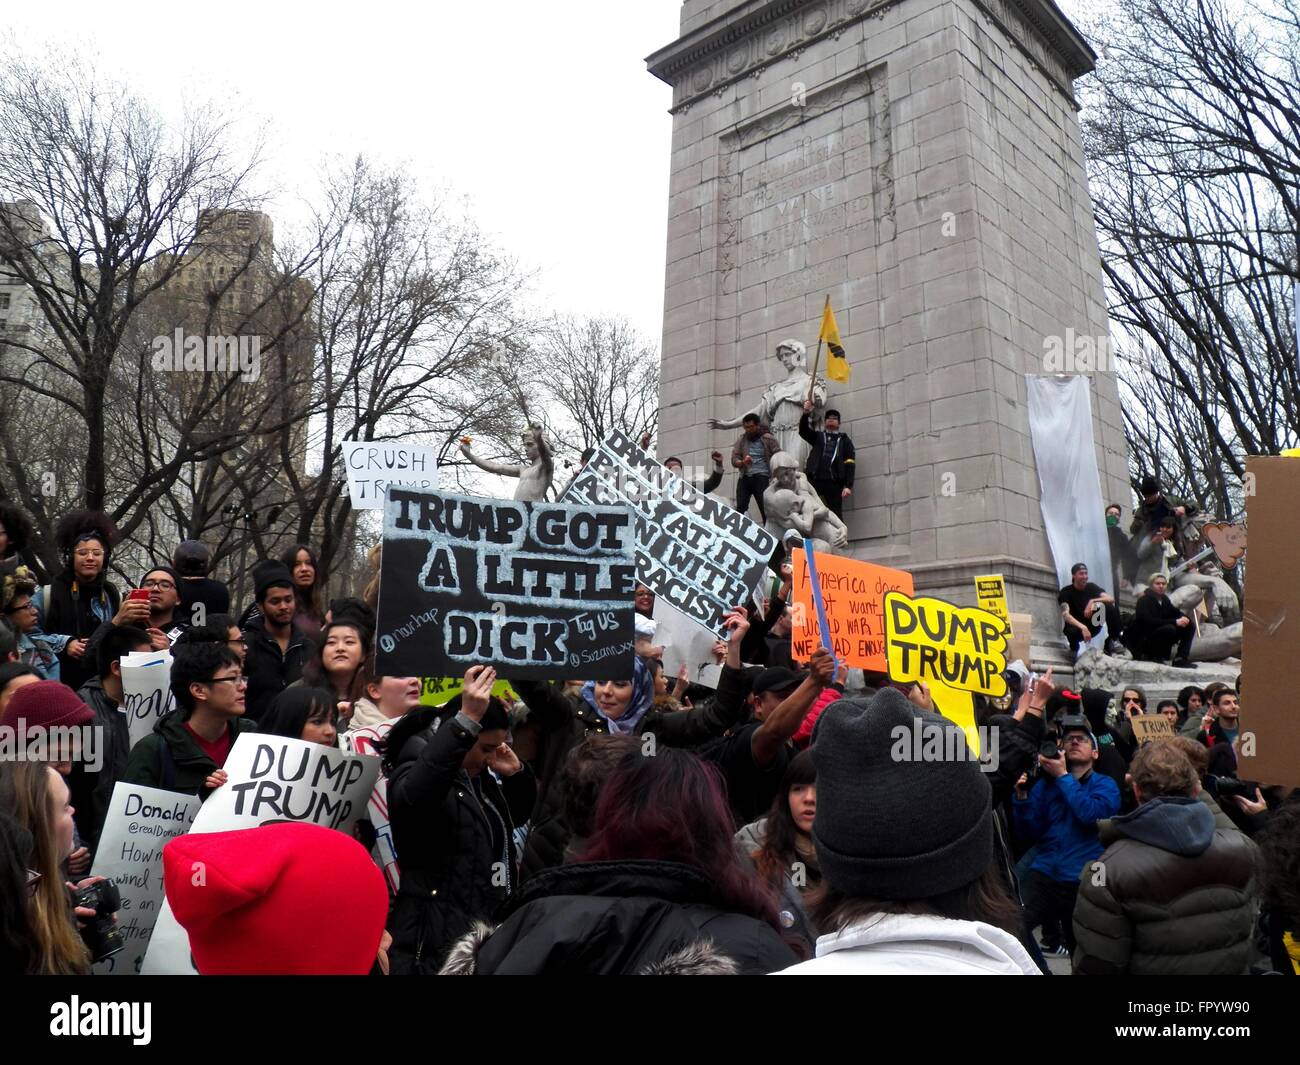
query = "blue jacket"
x=1061 y=816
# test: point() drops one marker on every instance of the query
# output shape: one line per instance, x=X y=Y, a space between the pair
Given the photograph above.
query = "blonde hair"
x=25 y=796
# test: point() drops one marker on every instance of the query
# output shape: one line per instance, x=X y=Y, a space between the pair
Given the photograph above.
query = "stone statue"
x=781 y=406
x=790 y=504
x=535 y=478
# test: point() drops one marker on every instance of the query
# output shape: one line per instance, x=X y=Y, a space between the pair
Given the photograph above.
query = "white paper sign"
x=365 y=741
x=271 y=778
x=372 y=465
x=146 y=688
x=140 y=821
x=685 y=642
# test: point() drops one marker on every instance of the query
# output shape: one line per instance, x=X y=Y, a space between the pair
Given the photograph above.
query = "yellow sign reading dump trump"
x=932 y=640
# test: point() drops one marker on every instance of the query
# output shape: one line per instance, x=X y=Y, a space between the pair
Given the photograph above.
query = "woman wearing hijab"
x=611 y=707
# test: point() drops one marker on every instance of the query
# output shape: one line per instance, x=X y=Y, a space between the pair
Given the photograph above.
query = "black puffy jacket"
x=620 y=918
x=455 y=840
x=1172 y=895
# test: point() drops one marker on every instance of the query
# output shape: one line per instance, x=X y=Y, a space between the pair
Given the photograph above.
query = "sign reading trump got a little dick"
x=539 y=590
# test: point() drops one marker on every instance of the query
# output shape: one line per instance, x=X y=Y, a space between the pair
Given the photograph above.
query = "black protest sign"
x=692 y=549
x=539 y=590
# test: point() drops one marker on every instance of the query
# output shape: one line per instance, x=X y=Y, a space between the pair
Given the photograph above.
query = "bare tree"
x=595 y=374
x=1192 y=131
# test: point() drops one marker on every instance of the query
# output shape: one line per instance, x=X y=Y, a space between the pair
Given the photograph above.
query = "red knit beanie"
x=285 y=899
x=46 y=703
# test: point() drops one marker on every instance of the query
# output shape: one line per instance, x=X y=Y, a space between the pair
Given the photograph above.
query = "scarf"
x=643 y=689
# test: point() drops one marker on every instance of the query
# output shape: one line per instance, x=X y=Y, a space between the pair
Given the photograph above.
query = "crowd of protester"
x=639 y=825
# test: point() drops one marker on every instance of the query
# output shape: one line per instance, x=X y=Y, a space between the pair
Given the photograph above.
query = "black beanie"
x=890 y=828
x=176 y=577
x=1150 y=486
x=269 y=574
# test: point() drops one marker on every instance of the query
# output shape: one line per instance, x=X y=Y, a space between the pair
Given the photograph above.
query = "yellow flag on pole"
x=837 y=366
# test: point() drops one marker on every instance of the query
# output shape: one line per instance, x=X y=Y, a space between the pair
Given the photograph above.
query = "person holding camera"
x=1177 y=897
x=1060 y=814
x=69 y=924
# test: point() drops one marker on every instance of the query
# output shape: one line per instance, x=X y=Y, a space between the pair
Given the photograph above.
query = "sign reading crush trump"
x=539 y=590
x=692 y=549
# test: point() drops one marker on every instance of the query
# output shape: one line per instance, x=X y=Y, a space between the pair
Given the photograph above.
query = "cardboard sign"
x=853 y=594
x=139 y=822
x=146 y=691
x=1270 y=727
x=271 y=778
x=1151 y=727
x=435 y=691
x=991 y=595
x=539 y=590
x=692 y=550
x=1022 y=630
x=932 y=640
x=366 y=741
x=373 y=466
x=1227 y=539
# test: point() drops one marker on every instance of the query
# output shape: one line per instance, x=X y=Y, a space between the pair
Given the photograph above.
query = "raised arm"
x=783 y=722
x=500 y=468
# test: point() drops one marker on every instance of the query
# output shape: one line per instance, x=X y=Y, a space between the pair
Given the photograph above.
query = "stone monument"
x=781 y=406
x=919 y=161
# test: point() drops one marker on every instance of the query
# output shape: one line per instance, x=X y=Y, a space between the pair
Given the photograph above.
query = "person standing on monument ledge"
x=752 y=456
x=831 y=458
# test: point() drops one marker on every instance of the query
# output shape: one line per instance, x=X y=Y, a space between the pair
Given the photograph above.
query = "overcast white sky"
x=542 y=115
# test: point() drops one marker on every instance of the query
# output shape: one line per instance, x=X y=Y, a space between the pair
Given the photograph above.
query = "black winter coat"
x=269 y=670
x=564 y=721
x=444 y=831
x=93 y=791
x=620 y=918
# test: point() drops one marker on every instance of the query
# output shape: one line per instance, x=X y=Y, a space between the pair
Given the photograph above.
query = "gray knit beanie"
x=897 y=828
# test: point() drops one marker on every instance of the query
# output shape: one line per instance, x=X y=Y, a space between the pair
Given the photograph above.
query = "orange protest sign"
x=853 y=594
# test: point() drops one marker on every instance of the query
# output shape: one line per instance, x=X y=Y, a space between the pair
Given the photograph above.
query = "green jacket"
x=1172 y=895
x=183 y=766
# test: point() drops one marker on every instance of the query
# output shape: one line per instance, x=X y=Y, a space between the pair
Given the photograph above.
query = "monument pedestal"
x=920 y=162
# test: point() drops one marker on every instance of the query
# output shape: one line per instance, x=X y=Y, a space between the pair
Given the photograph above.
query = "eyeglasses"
x=1135 y=702
x=166 y=586
x=33 y=880
x=29 y=605
x=92 y=553
x=238 y=682
x=241 y=642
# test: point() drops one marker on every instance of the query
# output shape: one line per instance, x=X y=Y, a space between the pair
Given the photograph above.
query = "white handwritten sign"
x=139 y=822
x=271 y=778
x=373 y=465
x=146 y=690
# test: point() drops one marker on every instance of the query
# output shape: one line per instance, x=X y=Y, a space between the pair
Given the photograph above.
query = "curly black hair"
x=17 y=525
x=77 y=523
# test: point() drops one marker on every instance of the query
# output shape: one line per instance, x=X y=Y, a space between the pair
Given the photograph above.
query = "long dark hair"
x=16 y=934
x=294 y=707
x=984 y=899
x=780 y=834
x=314 y=674
x=670 y=808
x=306 y=602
